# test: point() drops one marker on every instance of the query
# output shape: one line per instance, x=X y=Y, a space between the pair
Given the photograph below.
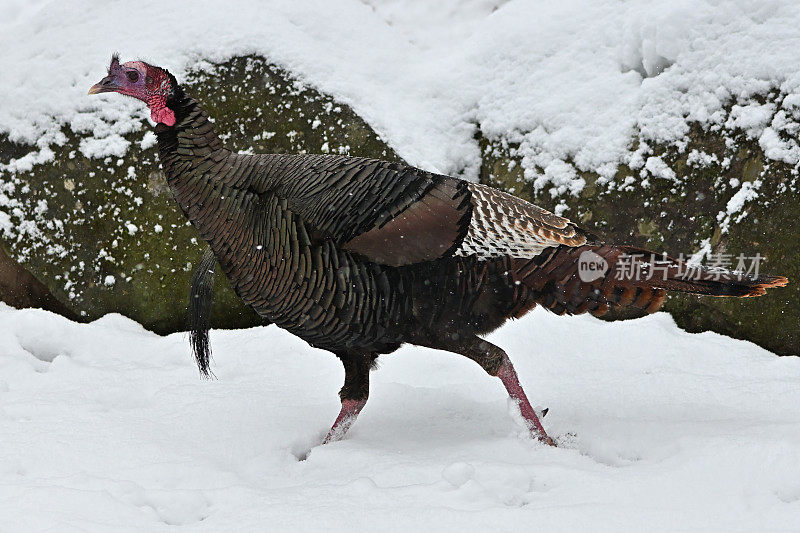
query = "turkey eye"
x=133 y=76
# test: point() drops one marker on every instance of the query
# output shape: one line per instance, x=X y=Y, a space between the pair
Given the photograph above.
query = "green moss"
x=752 y=169
x=647 y=228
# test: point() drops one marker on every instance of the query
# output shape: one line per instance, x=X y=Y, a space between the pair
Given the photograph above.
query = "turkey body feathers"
x=313 y=243
x=357 y=255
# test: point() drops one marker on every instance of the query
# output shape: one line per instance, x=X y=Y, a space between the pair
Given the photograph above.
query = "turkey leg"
x=496 y=363
x=508 y=376
x=347 y=416
x=354 y=393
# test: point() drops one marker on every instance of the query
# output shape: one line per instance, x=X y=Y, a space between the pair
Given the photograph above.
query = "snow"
x=752 y=118
x=108 y=427
x=777 y=148
x=571 y=81
x=149 y=140
x=658 y=168
x=746 y=193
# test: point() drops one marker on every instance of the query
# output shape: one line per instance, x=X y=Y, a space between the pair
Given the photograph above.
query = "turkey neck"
x=209 y=182
x=190 y=151
x=202 y=174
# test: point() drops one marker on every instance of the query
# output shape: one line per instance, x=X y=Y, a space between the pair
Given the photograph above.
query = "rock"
x=106 y=236
x=678 y=215
x=18 y=288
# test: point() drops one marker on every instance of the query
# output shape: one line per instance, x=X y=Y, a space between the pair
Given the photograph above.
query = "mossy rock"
x=675 y=215
x=106 y=235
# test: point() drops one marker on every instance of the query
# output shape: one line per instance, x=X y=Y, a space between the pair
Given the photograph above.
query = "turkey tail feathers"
x=200 y=299
x=597 y=278
x=676 y=275
x=729 y=284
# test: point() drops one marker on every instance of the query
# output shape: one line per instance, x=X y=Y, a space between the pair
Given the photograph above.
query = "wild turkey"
x=359 y=256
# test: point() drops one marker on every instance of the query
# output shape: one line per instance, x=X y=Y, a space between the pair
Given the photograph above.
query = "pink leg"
x=508 y=376
x=348 y=415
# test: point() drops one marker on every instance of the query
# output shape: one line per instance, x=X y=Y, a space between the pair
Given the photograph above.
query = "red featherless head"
x=152 y=85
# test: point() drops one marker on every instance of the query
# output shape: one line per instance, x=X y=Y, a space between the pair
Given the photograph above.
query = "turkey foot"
x=348 y=415
x=508 y=376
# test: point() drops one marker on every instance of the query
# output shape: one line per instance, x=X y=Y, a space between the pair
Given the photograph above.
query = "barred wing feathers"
x=504 y=225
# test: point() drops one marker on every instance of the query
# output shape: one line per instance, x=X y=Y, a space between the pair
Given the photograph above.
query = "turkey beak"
x=106 y=85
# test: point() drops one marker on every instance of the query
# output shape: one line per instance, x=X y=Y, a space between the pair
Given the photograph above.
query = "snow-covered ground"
x=107 y=427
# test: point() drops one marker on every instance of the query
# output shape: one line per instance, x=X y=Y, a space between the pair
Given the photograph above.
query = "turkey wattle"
x=359 y=256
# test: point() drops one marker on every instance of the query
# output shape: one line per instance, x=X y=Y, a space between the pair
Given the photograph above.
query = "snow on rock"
x=735 y=209
x=777 y=148
x=751 y=118
x=114 y=144
x=570 y=81
x=658 y=168
x=106 y=426
x=148 y=140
